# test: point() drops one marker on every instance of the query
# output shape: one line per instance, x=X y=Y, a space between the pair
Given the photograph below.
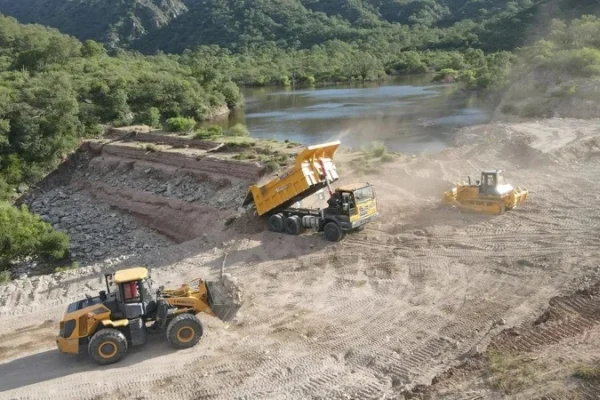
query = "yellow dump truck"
x=349 y=207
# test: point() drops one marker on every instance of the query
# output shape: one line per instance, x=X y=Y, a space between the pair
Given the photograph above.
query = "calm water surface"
x=410 y=115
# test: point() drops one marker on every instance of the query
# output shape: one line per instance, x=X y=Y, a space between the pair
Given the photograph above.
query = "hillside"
x=115 y=22
x=54 y=90
x=176 y=25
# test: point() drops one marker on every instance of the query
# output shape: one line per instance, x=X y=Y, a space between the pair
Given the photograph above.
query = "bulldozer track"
x=568 y=317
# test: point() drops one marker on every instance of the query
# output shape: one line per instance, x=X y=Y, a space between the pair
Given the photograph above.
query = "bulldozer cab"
x=490 y=180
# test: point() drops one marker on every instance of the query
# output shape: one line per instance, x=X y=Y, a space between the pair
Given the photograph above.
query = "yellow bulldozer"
x=105 y=326
x=491 y=195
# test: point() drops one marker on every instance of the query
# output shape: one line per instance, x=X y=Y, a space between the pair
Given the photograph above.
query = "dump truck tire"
x=276 y=223
x=184 y=331
x=107 y=346
x=333 y=232
x=292 y=225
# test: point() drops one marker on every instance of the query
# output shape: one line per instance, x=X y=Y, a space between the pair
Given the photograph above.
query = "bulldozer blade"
x=223 y=303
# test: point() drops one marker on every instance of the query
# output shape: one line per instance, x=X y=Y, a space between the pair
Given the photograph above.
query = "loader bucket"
x=222 y=302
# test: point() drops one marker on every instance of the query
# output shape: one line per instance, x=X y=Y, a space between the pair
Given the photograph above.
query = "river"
x=409 y=114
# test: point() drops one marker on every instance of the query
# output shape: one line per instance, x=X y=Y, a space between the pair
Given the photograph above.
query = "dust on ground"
x=373 y=316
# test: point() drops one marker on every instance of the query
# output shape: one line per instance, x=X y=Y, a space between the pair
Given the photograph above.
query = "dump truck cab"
x=352 y=205
x=129 y=309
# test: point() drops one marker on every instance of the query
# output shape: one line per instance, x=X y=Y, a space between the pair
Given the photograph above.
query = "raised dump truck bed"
x=350 y=207
x=312 y=171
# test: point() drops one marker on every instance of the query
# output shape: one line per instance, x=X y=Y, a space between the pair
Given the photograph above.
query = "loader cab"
x=490 y=181
x=131 y=293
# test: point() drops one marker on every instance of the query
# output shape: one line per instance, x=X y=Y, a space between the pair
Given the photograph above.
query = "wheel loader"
x=491 y=195
x=107 y=325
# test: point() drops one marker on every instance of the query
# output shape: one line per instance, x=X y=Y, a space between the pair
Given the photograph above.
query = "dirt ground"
x=387 y=309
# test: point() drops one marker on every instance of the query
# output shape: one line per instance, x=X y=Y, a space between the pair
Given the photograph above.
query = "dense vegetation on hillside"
x=55 y=89
x=560 y=73
x=175 y=25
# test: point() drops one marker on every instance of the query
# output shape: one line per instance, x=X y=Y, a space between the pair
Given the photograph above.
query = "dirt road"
x=366 y=318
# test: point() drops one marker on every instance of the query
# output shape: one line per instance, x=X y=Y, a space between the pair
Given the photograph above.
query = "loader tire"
x=333 y=232
x=292 y=225
x=276 y=223
x=184 y=331
x=107 y=346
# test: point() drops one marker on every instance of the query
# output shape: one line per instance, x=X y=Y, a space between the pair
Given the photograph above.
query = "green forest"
x=172 y=63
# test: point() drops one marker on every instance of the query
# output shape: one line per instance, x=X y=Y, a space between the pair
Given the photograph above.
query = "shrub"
x=446 y=74
x=272 y=166
x=73 y=266
x=376 y=150
x=23 y=234
x=4 y=276
x=180 y=124
x=238 y=130
x=54 y=245
x=587 y=373
x=150 y=117
x=151 y=148
x=211 y=132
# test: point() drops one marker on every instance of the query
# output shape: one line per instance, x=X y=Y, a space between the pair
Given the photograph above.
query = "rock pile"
x=97 y=232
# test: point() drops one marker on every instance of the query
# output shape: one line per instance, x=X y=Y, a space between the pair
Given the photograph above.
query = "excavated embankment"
x=116 y=199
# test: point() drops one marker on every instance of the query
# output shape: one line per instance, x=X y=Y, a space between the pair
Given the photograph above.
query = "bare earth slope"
x=371 y=316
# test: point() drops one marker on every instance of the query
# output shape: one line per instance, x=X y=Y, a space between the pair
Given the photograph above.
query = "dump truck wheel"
x=333 y=232
x=292 y=225
x=107 y=346
x=184 y=331
x=276 y=223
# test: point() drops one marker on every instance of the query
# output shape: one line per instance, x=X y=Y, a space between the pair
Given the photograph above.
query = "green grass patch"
x=588 y=373
x=510 y=373
x=71 y=267
x=4 y=277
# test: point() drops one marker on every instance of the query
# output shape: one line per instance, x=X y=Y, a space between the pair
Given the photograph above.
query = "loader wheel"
x=107 y=346
x=292 y=225
x=333 y=232
x=184 y=331
x=276 y=223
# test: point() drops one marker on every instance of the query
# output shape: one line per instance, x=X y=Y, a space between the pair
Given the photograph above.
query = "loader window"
x=130 y=292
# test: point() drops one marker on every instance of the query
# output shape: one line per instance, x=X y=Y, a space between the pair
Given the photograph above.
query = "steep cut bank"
x=117 y=198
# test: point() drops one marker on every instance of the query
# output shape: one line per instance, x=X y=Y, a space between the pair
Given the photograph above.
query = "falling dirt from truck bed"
x=419 y=291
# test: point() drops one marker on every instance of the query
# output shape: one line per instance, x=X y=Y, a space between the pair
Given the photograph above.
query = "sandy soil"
x=367 y=318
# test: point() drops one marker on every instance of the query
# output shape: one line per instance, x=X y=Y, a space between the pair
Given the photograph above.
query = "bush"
x=180 y=124
x=23 y=234
x=70 y=267
x=376 y=150
x=232 y=94
x=211 y=132
x=150 y=117
x=446 y=75
x=4 y=276
x=54 y=246
x=238 y=130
